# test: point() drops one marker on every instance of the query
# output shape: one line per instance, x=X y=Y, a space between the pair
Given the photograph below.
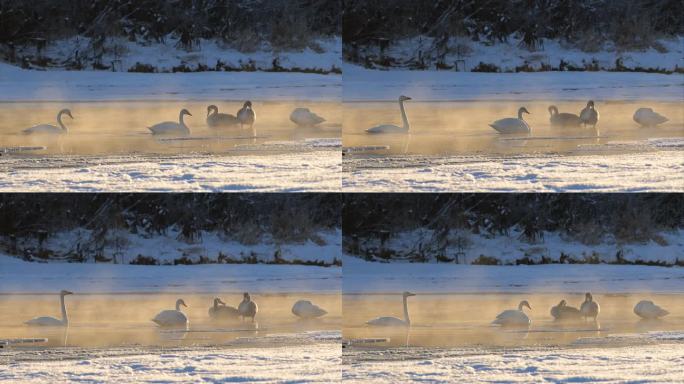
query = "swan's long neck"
x=406 y=315
x=178 y=302
x=520 y=113
x=65 y=318
x=403 y=115
x=181 y=122
x=59 y=121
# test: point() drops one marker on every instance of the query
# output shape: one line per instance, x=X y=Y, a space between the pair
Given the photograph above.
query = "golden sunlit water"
x=120 y=127
x=116 y=320
x=459 y=320
x=462 y=128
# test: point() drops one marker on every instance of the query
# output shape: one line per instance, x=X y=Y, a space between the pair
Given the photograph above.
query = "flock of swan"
x=589 y=116
x=219 y=311
x=246 y=116
x=645 y=309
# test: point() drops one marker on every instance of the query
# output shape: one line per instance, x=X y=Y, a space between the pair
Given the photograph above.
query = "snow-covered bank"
x=466 y=54
x=17 y=276
x=309 y=363
x=314 y=171
x=362 y=276
x=657 y=171
x=122 y=246
x=120 y=54
x=513 y=248
x=365 y=84
x=644 y=364
x=31 y=85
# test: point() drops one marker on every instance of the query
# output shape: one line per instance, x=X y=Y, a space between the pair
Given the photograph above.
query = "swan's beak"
x=68 y=293
x=189 y=114
x=221 y=302
x=410 y=294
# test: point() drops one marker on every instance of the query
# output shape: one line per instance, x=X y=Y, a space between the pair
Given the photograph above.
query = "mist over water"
x=462 y=128
x=463 y=320
x=120 y=127
x=112 y=320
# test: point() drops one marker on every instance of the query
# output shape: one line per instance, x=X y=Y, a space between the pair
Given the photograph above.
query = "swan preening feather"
x=511 y=124
x=647 y=117
x=564 y=312
x=390 y=128
x=246 y=115
x=307 y=310
x=646 y=309
x=216 y=119
x=589 y=307
x=221 y=311
x=303 y=117
x=389 y=321
x=247 y=307
x=169 y=127
x=49 y=128
x=171 y=317
x=47 y=321
x=514 y=317
x=563 y=119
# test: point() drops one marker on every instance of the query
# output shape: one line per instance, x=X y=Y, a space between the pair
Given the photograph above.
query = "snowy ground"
x=509 y=55
x=120 y=54
x=642 y=363
x=17 y=276
x=651 y=171
x=308 y=358
x=365 y=84
x=506 y=249
x=308 y=171
x=361 y=276
x=33 y=85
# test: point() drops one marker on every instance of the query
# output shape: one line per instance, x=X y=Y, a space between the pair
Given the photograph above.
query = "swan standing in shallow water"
x=172 y=318
x=563 y=312
x=305 y=118
x=389 y=321
x=390 y=128
x=47 y=321
x=307 y=310
x=246 y=115
x=589 y=115
x=48 y=128
x=247 y=307
x=511 y=124
x=514 y=317
x=589 y=307
x=646 y=309
x=647 y=117
x=222 y=311
x=563 y=119
x=216 y=119
x=169 y=127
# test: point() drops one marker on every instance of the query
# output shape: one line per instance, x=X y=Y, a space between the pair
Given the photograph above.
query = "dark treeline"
x=628 y=217
x=244 y=24
x=286 y=217
x=587 y=23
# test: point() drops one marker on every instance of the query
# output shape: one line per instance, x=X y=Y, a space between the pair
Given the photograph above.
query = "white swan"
x=563 y=312
x=246 y=115
x=171 y=317
x=307 y=310
x=305 y=118
x=389 y=321
x=511 y=124
x=169 y=127
x=47 y=321
x=48 y=128
x=646 y=309
x=390 y=128
x=589 y=307
x=514 y=317
x=216 y=119
x=222 y=311
x=563 y=119
x=589 y=115
x=247 y=307
x=647 y=117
